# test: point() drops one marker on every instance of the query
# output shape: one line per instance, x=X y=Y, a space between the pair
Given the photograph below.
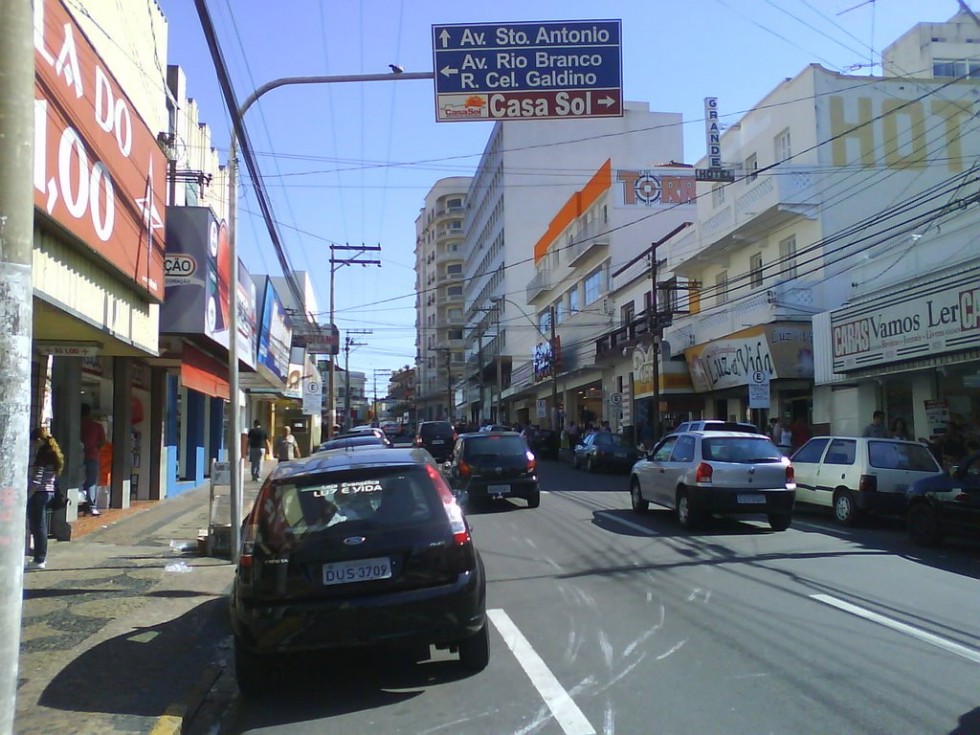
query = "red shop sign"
x=98 y=171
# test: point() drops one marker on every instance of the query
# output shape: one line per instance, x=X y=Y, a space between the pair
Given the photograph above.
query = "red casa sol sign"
x=98 y=171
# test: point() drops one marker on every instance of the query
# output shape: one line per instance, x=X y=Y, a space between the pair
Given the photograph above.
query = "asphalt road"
x=609 y=622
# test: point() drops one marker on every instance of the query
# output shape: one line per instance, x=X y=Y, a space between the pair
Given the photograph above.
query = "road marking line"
x=562 y=706
x=933 y=640
x=628 y=524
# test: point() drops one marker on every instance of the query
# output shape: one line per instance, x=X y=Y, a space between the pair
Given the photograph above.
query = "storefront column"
x=122 y=431
x=158 y=422
x=66 y=407
x=194 y=421
x=217 y=449
x=924 y=388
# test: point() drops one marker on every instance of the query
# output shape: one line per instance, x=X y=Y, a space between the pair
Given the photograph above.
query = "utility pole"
x=554 y=371
x=378 y=371
x=16 y=316
x=656 y=332
x=348 y=344
x=335 y=264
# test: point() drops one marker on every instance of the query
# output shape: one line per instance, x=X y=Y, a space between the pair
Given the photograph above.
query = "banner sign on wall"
x=275 y=334
x=98 y=171
x=655 y=188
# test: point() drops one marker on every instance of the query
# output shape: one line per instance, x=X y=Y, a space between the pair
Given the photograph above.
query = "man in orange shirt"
x=93 y=437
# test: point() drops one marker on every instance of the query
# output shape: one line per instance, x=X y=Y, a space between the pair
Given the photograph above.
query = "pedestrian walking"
x=287 y=448
x=876 y=429
x=900 y=430
x=258 y=440
x=93 y=439
x=47 y=463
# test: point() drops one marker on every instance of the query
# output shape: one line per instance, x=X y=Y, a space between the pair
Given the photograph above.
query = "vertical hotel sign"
x=98 y=171
x=712 y=133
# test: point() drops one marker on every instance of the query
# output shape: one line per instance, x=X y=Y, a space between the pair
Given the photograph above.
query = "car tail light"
x=790 y=476
x=461 y=534
x=868 y=484
x=704 y=472
x=464 y=469
x=532 y=462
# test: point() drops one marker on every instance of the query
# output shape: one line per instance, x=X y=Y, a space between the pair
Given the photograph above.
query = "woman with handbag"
x=46 y=464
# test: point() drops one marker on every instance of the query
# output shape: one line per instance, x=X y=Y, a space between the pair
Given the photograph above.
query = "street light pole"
x=234 y=423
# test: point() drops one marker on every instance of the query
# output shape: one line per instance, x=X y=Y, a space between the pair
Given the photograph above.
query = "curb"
x=177 y=718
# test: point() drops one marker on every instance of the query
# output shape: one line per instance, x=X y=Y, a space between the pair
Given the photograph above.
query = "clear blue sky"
x=352 y=163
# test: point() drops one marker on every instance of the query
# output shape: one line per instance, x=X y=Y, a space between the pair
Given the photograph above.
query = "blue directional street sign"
x=528 y=71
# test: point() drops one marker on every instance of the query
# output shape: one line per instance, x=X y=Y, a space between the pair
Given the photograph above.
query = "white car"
x=855 y=475
x=698 y=473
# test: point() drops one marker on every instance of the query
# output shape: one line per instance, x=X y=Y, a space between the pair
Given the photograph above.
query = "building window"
x=782 y=147
x=593 y=286
x=717 y=195
x=454 y=203
x=787 y=257
x=561 y=311
x=458 y=357
x=751 y=169
x=627 y=312
x=956 y=68
x=456 y=224
x=544 y=322
x=721 y=288
x=454 y=314
x=573 y=301
x=455 y=269
x=755 y=270
x=455 y=291
x=455 y=334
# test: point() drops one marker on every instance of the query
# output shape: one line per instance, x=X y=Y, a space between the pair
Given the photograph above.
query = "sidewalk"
x=127 y=628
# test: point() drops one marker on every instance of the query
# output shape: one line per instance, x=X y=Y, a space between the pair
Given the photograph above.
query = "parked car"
x=347 y=549
x=715 y=425
x=494 y=465
x=366 y=429
x=545 y=443
x=603 y=450
x=947 y=504
x=700 y=473
x=857 y=475
x=355 y=439
x=391 y=428
x=437 y=438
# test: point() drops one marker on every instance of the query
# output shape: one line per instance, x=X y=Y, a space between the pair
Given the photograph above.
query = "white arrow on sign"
x=607 y=101
x=448 y=71
x=444 y=37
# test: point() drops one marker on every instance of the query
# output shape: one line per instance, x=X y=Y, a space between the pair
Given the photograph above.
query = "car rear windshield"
x=369 y=440
x=740 y=449
x=616 y=440
x=431 y=430
x=381 y=496
x=900 y=456
x=487 y=447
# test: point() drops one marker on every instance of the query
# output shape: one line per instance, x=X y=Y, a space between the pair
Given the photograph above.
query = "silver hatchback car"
x=699 y=473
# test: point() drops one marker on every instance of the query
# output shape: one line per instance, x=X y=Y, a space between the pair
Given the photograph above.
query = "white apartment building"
x=526 y=200
x=439 y=297
x=842 y=183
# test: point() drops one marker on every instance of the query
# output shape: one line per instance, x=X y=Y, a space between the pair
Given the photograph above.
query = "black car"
x=437 y=438
x=494 y=465
x=346 y=549
x=543 y=442
x=357 y=439
x=945 y=504
x=604 y=450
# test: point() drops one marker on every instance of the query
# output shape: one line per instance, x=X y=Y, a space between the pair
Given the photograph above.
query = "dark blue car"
x=946 y=504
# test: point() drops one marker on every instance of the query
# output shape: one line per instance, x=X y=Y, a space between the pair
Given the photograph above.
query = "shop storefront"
x=194 y=322
x=913 y=352
x=758 y=372
x=98 y=260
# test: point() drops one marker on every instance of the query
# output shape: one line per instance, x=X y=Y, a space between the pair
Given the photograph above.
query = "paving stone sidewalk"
x=126 y=630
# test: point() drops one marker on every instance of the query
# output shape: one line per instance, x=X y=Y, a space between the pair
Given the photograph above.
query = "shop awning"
x=203 y=373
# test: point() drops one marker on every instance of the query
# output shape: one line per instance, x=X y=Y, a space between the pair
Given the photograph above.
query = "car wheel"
x=251 y=671
x=845 y=510
x=534 y=500
x=923 y=525
x=686 y=516
x=636 y=498
x=780 y=521
x=474 y=652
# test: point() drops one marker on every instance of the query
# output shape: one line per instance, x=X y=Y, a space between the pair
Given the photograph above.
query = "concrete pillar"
x=216 y=443
x=122 y=431
x=158 y=422
x=193 y=420
x=66 y=404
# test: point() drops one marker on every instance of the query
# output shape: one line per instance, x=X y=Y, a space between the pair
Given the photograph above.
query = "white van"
x=855 y=475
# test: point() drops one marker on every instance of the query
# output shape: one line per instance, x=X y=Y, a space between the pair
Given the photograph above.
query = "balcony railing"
x=613 y=343
x=540 y=283
x=586 y=239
